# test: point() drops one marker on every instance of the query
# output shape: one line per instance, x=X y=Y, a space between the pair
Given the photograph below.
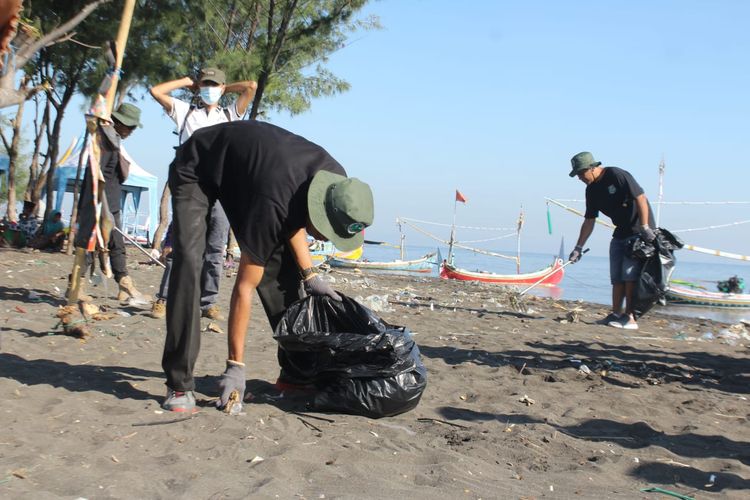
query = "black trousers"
x=278 y=289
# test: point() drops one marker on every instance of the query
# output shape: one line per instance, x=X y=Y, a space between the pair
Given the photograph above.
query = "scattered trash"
x=526 y=400
x=20 y=309
x=234 y=404
x=635 y=459
x=584 y=369
x=124 y=314
x=33 y=296
x=667 y=492
x=711 y=481
x=213 y=327
x=256 y=460
x=376 y=303
x=708 y=336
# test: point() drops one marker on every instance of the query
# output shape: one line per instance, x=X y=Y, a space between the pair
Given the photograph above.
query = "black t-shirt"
x=614 y=195
x=260 y=173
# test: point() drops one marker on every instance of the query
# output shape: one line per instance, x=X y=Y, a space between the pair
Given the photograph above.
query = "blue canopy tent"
x=138 y=181
x=4 y=166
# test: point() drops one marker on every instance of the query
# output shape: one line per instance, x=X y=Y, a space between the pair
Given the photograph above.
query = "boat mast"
x=453 y=232
x=659 y=200
x=518 y=241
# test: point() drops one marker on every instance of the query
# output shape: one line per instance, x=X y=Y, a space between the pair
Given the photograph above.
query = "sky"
x=493 y=98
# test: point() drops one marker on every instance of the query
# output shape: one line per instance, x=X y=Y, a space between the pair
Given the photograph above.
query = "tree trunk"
x=163 y=217
x=12 y=150
x=39 y=131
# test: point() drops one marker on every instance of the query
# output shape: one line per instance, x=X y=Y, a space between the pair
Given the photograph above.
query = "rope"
x=456 y=244
x=711 y=227
x=458 y=227
x=491 y=239
x=675 y=202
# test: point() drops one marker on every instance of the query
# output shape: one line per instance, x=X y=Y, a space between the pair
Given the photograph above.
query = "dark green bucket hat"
x=128 y=114
x=583 y=161
x=340 y=208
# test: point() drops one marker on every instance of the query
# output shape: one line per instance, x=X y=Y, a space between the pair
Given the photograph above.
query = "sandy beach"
x=509 y=410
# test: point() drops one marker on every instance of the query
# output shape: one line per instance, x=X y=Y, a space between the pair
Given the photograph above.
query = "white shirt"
x=199 y=118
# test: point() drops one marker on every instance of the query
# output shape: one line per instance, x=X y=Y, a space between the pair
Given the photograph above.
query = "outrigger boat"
x=422 y=265
x=324 y=251
x=697 y=297
x=550 y=275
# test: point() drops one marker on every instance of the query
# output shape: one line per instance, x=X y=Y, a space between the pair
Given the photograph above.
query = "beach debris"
x=21 y=309
x=376 y=303
x=33 y=296
x=258 y=459
x=440 y=421
x=526 y=400
x=234 y=404
x=213 y=327
x=584 y=369
x=711 y=481
x=309 y=425
x=708 y=336
x=667 y=492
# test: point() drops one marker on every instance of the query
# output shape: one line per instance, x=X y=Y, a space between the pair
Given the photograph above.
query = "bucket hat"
x=583 y=161
x=128 y=114
x=340 y=208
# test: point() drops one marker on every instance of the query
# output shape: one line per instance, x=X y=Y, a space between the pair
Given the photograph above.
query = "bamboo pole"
x=121 y=42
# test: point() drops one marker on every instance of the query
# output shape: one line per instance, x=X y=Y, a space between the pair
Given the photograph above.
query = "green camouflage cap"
x=213 y=75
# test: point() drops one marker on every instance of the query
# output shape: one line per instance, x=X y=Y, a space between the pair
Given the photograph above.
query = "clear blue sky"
x=494 y=97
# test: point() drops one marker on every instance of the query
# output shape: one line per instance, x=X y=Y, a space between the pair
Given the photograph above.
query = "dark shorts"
x=621 y=267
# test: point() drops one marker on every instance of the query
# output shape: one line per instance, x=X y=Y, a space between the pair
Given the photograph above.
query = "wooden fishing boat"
x=422 y=265
x=550 y=275
x=697 y=297
x=323 y=251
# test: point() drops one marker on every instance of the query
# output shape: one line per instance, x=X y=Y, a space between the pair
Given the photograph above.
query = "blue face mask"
x=210 y=95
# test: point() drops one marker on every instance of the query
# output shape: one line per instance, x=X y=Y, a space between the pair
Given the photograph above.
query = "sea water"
x=588 y=280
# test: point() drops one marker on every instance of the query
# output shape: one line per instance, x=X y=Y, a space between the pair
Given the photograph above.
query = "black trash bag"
x=658 y=264
x=358 y=363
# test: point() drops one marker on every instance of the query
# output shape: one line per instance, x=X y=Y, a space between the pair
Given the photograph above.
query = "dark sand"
x=82 y=418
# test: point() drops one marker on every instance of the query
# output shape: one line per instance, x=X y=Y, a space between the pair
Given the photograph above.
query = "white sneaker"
x=626 y=322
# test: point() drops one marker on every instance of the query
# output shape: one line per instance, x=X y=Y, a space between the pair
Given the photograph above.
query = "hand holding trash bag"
x=318 y=286
x=233 y=379
x=647 y=233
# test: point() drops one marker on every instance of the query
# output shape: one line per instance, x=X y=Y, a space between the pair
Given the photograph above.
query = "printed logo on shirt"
x=612 y=189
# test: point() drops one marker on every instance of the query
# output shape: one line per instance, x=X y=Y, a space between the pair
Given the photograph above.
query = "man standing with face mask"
x=210 y=87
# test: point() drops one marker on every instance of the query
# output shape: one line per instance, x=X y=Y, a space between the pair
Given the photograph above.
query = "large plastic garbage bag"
x=658 y=264
x=358 y=363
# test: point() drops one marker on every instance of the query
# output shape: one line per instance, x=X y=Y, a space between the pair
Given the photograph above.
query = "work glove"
x=576 y=254
x=647 y=233
x=318 y=286
x=233 y=379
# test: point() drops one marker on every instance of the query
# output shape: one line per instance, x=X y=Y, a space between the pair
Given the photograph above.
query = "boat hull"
x=421 y=265
x=551 y=275
x=693 y=297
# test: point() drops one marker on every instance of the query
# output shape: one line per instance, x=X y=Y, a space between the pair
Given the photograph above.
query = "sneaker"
x=177 y=401
x=159 y=309
x=626 y=322
x=609 y=318
x=212 y=312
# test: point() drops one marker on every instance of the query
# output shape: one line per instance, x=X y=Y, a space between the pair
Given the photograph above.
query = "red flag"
x=460 y=197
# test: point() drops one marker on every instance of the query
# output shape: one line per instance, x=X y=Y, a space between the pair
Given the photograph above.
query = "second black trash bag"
x=359 y=363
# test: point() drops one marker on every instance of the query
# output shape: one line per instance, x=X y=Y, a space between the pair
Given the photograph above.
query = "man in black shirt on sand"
x=615 y=193
x=275 y=187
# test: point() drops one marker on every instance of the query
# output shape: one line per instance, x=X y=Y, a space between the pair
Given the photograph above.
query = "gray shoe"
x=609 y=318
x=183 y=402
